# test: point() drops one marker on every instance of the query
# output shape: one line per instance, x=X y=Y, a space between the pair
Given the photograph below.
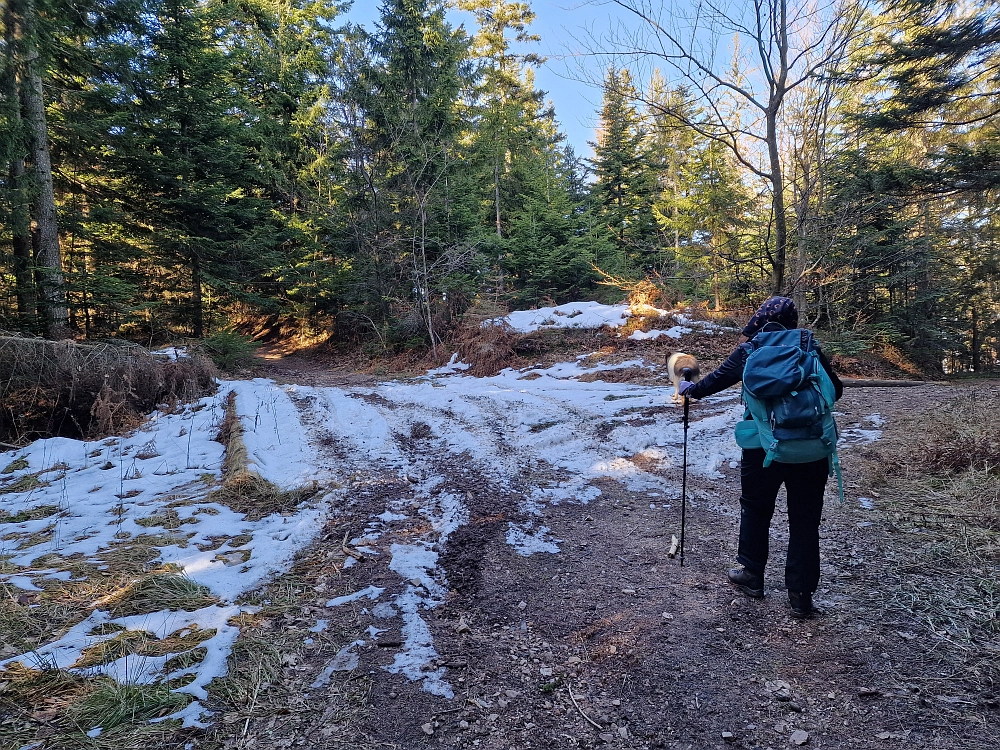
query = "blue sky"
x=564 y=26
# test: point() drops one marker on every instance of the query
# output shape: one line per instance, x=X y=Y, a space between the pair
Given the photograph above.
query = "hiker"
x=761 y=476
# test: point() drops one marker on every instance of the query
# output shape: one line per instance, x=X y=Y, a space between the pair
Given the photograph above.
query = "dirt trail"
x=605 y=643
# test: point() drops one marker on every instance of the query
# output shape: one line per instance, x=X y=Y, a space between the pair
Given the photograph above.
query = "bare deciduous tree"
x=776 y=46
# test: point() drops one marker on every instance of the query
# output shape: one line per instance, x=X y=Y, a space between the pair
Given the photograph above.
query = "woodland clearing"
x=460 y=561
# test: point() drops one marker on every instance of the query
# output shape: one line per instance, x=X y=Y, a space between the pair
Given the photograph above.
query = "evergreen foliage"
x=263 y=164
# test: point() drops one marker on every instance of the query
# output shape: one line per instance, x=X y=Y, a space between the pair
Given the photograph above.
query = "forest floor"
x=490 y=571
x=610 y=630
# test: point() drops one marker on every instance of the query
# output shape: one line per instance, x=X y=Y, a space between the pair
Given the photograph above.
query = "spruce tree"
x=624 y=187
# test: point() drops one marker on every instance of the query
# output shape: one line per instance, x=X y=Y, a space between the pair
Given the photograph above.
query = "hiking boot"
x=750 y=584
x=802 y=605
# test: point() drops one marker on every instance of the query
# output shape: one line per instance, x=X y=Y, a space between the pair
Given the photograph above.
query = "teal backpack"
x=790 y=398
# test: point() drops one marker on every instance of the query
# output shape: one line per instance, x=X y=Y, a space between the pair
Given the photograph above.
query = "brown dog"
x=676 y=364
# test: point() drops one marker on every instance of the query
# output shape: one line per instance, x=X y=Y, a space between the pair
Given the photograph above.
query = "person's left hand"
x=684 y=386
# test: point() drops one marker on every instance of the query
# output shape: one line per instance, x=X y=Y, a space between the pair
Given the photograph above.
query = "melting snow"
x=156 y=482
x=674 y=333
x=539 y=436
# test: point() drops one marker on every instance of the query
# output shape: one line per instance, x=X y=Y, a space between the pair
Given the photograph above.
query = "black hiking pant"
x=804 y=485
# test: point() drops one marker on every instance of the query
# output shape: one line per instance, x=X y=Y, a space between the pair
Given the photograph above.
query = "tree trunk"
x=977 y=359
x=777 y=204
x=47 y=228
x=20 y=219
x=496 y=192
x=197 y=313
x=779 y=89
x=24 y=281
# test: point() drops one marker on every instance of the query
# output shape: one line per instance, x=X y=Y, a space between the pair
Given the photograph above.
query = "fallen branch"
x=353 y=553
x=572 y=698
x=348 y=552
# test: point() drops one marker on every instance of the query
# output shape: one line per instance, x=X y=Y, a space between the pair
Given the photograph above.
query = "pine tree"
x=508 y=102
x=410 y=218
x=183 y=150
x=30 y=167
x=624 y=187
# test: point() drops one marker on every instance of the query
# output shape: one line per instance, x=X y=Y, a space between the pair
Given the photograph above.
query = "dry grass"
x=271 y=668
x=257 y=498
x=939 y=582
x=156 y=592
x=87 y=390
x=54 y=708
x=24 y=483
x=963 y=435
x=243 y=490
x=485 y=341
x=28 y=514
x=111 y=704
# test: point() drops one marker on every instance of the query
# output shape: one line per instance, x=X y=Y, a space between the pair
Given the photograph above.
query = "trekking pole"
x=686 y=372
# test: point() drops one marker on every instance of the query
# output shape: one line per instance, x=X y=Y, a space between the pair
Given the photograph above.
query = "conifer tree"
x=624 y=188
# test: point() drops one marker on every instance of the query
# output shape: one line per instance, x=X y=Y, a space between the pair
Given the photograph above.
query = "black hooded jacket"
x=730 y=372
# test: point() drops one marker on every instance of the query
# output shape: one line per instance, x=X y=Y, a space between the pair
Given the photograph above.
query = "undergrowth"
x=229 y=350
x=938 y=479
x=88 y=390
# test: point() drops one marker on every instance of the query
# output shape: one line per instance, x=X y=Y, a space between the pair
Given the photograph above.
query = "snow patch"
x=570 y=315
x=372 y=592
x=674 y=333
x=527 y=540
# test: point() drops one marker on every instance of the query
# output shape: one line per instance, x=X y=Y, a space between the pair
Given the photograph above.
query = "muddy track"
x=655 y=655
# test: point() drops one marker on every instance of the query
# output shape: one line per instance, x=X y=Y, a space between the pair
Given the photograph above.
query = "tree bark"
x=46 y=221
x=197 y=313
x=20 y=219
x=976 y=344
x=496 y=192
x=777 y=204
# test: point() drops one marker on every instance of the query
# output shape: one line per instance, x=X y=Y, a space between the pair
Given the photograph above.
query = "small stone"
x=728 y=736
x=574 y=660
x=463 y=725
x=780 y=689
x=623 y=732
x=616 y=702
x=492 y=717
x=428 y=728
x=797 y=708
x=667 y=616
x=545 y=671
x=628 y=591
x=462 y=626
x=607 y=737
x=522 y=605
x=799 y=737
x=512 y=693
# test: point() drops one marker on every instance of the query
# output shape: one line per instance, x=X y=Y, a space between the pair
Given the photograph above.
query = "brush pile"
x=485 y=340
x=88 y=390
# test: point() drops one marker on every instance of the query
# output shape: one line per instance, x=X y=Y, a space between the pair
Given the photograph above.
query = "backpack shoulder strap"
x=808 y=340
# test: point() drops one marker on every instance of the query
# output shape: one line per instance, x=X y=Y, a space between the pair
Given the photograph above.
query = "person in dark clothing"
x=804 y=483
